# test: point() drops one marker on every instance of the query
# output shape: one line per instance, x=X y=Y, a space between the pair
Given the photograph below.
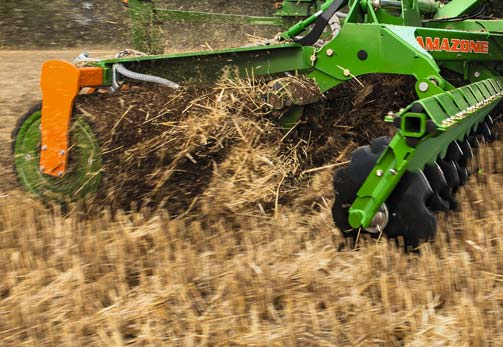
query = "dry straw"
x=249 y=256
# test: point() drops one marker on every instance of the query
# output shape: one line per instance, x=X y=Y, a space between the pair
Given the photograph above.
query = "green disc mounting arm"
x=433 y=123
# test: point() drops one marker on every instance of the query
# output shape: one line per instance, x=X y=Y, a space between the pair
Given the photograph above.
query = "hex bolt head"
x=477 y=74
x=60 y=173
x=423 y=87
x=44 y=148
x=379 y=173
x=62 y=152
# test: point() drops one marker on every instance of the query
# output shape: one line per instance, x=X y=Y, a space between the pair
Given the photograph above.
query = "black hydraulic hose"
x=320 y=24
x=476 y=14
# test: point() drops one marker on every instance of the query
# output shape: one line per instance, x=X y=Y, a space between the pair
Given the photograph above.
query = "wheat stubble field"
x=253 y=258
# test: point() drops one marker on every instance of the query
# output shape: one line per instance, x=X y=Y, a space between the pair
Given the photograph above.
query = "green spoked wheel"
x=84 y=166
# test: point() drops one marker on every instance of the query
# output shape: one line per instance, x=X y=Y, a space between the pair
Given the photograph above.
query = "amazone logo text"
x=436 y=44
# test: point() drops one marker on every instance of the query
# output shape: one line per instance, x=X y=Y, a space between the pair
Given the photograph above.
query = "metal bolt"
x=44 y=147
x=60 y=173
x=330 y=52
x=393 y=172
x=41 y=168
x=477 y=74
x=423 y=87
x=62 y=152
x=379 y=173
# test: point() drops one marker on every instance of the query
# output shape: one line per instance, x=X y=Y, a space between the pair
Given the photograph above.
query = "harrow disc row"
x=409 y=212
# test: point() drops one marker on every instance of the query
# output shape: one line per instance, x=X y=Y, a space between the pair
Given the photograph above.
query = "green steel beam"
x=208 y=17
x=205 y=67
x=457 y=8
x=481 y=25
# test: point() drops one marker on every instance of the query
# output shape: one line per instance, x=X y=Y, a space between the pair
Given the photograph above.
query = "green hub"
x=84 y=167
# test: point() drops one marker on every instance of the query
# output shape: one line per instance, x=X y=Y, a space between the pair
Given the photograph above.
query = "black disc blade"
x=409 y=215
x=462 y=174
x=484 y=131
x=451 y=175
x=467 y=152
x=439 y=200
x=348 y=180
x=454 y=152
x=345 y=193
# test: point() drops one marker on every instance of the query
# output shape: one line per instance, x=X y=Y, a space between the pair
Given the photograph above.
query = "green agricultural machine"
x=392 y=186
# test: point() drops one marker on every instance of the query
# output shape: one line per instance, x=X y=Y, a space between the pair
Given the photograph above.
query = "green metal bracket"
x=386 y=174
x=366 y=48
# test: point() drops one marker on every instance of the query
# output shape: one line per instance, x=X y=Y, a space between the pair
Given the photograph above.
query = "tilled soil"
x=178 y=149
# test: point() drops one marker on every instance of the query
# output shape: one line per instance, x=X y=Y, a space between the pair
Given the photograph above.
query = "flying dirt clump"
x=219 y=149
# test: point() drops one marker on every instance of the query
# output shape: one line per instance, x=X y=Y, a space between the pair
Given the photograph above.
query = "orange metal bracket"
x=61 y=82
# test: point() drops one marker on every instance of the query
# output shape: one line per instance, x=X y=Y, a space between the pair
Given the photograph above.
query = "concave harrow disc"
x=84 y=170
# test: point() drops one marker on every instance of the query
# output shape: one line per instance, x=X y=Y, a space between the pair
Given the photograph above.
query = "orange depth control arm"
x=61 y=82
